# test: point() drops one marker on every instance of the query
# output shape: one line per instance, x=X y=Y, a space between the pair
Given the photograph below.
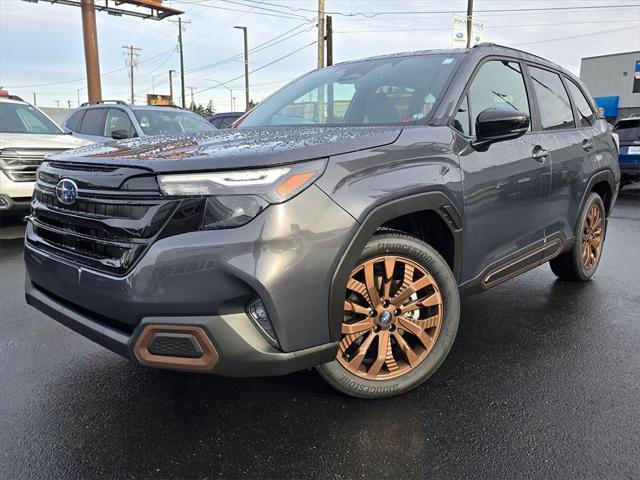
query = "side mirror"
x=499 y=124
x=119 y=134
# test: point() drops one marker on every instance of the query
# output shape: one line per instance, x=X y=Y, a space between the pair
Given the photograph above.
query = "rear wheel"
x=401 y=315
x=581 y=262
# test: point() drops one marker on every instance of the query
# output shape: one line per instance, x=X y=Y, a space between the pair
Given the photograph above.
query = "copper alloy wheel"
x=393 y=315
x=592 y=237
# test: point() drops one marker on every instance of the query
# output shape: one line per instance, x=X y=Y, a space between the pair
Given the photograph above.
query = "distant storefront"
x=614 y=81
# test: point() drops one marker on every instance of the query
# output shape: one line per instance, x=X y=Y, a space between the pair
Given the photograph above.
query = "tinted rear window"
x=93 y=122
x=74 y=121
x=587 y=115
x=628 y=130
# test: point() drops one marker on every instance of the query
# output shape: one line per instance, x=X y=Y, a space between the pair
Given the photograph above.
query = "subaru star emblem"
x=66 y=191
x=385 y=318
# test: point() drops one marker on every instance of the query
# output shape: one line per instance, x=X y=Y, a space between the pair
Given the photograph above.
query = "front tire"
x=401 y=315
x=581 y=262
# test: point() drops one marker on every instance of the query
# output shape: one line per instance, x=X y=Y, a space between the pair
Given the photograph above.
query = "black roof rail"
x=98 y=102
x=490 y=44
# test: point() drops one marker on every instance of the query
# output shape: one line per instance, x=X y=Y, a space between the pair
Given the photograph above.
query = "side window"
x=75 y=120
x=461 y=120
x=553 y=100
x=587 y=115
x=498 y=84
x=226 y=121
x=93 y=122
x=117 y=120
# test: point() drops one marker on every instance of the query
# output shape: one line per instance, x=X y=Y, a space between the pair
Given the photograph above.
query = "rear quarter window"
x=585 y=112
x=74 y=121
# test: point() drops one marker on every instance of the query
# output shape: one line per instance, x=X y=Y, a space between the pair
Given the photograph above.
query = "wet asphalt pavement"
x=543 y=382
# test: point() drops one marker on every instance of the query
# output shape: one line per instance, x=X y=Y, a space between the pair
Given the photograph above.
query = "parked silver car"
x=112 y=119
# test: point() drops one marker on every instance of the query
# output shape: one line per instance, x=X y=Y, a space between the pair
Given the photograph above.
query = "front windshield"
x=392 y=90
x=171 y=122
x=23 y=118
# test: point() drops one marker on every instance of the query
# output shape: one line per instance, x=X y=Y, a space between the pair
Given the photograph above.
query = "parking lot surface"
x=542 y=382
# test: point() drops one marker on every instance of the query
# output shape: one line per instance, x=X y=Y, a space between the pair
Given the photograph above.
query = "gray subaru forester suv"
x=336 y=227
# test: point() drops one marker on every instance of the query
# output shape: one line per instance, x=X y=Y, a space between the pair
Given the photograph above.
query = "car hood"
x=234 y=148
x=31 y=140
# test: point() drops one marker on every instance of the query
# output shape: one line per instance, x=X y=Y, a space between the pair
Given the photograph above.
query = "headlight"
x=235 y=197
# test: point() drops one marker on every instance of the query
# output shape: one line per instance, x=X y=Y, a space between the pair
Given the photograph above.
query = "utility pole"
x=329 y=41
x=246 y=67
x=35 y=104
x=131 y=62
x=92 y=61
x=181 y=59
x=193 y=103
x=171 y=72
x=469 y=22
x=57 y=103
x=320 y=33
x=78 y=92
x=181 y=25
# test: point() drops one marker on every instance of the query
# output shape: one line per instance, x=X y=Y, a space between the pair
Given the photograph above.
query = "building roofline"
x=637 y=52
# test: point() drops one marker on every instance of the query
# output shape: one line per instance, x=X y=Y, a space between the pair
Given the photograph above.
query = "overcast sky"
x=41 y=44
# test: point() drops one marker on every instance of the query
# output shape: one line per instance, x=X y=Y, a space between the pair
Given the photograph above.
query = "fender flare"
x=435 y=201
x=602 y=175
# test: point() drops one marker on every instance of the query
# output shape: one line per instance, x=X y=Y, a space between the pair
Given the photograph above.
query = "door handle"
x=587 y=145
x=540 y=154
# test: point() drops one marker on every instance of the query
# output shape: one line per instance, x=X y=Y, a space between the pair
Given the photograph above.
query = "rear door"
x=505 y=188
x=569 y=142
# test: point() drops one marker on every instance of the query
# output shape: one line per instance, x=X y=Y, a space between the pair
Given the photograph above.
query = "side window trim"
x=571 y=102
x=465 y=92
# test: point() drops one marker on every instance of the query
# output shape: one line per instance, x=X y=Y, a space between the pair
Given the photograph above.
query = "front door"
x=505 y=188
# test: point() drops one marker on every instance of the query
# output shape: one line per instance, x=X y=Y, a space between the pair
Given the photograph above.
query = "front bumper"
x=14 y=196
x=241 y=350
x=285 y=256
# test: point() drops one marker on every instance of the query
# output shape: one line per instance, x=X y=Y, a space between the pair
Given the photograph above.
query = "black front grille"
x=109 y=226
x=21 y=165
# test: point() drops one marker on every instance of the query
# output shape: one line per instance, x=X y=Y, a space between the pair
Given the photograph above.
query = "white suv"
x=26 y=136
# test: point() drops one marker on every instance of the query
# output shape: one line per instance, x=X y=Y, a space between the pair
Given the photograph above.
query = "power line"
x=269 y=43
x=260 y=68
x=575 y=36
x=523 y=25
x=415 y=12
x=202 y=3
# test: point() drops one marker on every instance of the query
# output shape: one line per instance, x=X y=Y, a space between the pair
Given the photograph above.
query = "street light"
x=79 y=90
x=246 y=66
x=220 y=84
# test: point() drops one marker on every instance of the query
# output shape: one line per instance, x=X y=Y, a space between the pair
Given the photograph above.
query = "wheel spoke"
x=383 y=345
x=414 y=287
x=362 y=352
x=417 y=331
x=359 y=287
x=357 y=327
x=351 y=307
x=389 y=266
x=370 y=282
x=409 y=354
x=430 y=300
